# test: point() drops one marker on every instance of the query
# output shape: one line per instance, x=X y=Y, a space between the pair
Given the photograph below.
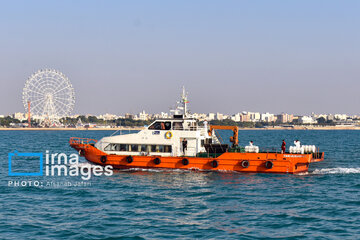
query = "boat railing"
x=77 y=140
x=269 y=150
x=188 y=128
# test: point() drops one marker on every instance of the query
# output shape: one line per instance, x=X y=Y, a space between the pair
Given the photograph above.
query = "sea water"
x=162 y=204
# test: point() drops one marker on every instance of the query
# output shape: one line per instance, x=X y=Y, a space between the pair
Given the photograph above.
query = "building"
x=245 y=117
x=267 y=117
x=254 y=116
x=307 y=120
x=129 y=116
x=107 y=116
x=285 y=118
x=211 y=116
x=219 y=116
x=341 y=117
x=19 y=116
x=236 y=117
x=143 y=116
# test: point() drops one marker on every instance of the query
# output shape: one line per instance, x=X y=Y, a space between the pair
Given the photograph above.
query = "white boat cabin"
x=164 y=137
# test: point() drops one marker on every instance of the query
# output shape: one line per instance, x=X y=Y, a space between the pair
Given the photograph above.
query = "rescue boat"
x=181 y=142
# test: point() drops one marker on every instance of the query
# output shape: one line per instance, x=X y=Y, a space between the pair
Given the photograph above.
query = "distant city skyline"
x=122 y=57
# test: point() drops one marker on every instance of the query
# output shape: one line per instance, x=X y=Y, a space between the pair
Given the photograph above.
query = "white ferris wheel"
x=49 y=96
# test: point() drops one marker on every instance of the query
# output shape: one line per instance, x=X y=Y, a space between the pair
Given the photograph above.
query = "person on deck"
x=251 y=143
x=283 y=146
x=184 y=145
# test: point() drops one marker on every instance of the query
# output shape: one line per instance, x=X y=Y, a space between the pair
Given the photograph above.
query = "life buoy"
x=168 y=135
x=214 y=164
x=81 y=152
x=103 y=159
x=129 y=159
x=157 y=161
x=245 y=164
x=269 y=164
x=185 y=161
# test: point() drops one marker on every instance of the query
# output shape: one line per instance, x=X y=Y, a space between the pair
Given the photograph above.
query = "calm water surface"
x=323 y=204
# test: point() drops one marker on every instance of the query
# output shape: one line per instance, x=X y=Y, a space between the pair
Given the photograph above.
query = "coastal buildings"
x=256 y=118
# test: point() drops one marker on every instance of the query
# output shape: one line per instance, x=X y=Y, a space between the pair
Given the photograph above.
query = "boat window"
x=167 y=125
x=167 y=148
x=160 y=126
x=153 y=148
x=155 y=126
x=112 y=147
x=124 y=147
x=108 y=147
x=178 y=126
x=143 y=148
x=134 y=148
x=202 y=142
x=138 y=148
x=161 y=148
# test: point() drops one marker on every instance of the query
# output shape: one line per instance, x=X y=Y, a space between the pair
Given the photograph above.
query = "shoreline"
x=140 y=128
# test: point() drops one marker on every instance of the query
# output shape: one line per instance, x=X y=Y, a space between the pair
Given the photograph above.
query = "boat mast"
x=184 y=102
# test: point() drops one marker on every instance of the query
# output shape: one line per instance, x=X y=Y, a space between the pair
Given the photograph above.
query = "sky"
x=127 y=56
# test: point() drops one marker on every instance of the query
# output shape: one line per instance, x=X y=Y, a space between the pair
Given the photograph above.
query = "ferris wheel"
x=49 y=95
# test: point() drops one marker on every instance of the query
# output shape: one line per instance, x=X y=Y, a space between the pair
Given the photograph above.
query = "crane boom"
x=234 y=139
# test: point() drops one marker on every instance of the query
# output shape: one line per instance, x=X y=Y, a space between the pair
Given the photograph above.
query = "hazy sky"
x=127 y=56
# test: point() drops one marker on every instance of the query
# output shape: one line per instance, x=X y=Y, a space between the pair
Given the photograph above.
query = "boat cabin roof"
x=174 y=124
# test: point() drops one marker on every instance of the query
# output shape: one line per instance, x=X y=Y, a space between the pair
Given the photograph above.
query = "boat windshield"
x=160 y=125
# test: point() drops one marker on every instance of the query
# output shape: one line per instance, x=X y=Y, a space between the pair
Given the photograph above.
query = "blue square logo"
x=11 y=156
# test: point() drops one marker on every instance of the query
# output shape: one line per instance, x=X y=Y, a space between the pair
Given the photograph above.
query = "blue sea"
x=164 y=204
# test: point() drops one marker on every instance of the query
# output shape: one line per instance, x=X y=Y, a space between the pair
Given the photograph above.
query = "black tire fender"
x=129 y=159
x=157 y=161
x=269 y=164
x=245 y=164
x=81 y=152
x=185 y=161
x=214 y=164
x=103 y=159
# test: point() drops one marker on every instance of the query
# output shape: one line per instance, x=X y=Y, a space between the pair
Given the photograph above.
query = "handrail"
x=77 y=140
x=115 y=132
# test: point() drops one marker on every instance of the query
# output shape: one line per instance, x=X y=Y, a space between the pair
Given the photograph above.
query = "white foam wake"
x=151 y=170
x=336 y=171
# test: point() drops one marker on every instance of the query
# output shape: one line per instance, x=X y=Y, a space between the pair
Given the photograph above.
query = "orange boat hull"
x=229 y=161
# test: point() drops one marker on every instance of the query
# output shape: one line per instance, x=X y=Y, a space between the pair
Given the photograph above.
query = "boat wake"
x=336 y=171
x=83 y=165
x=323 y=171
x=153 y=170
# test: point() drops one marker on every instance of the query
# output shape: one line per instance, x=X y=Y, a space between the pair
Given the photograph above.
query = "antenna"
x=184 y=101
x=181 y=107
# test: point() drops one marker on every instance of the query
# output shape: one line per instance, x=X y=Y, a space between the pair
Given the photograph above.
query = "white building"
x=107 y=116
x=211 y=116
x=342 y=117
x=267 y=117
x=236 y=117
x=254 y=116
x=219 y=116
x=20 y=116
x=307 y=120
x=143 y=116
